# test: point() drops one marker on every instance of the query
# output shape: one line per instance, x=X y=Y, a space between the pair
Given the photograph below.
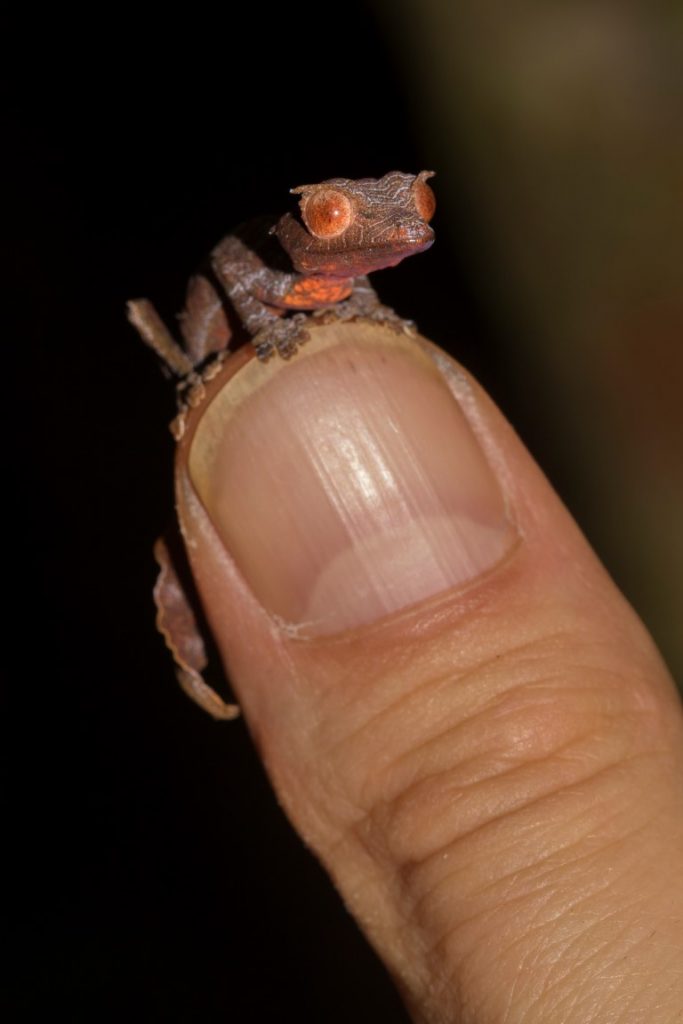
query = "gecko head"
x=349 y=228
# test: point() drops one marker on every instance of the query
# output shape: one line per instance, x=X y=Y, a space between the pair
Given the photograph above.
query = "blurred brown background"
x=558 y=133
x=151 y=874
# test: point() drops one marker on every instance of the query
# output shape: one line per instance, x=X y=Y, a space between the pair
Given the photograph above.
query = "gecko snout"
x=412 y=234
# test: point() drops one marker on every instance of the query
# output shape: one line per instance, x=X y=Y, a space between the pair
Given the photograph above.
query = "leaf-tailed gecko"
x=271 y=272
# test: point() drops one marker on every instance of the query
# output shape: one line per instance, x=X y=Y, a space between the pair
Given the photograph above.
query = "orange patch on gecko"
x=311 y=292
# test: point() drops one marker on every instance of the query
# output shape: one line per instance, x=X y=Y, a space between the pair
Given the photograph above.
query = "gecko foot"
x=282 y=336
x=353 y=309
x=386 y=315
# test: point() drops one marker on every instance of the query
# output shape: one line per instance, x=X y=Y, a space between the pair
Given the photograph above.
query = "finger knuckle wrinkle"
x=542 y=737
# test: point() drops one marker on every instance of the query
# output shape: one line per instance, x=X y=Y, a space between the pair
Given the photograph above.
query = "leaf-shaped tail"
x=177 y=623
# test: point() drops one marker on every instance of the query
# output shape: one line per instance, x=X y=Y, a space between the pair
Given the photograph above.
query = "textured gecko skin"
x=270 y=271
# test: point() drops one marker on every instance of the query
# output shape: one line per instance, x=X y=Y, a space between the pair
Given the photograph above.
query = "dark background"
x=152 y=875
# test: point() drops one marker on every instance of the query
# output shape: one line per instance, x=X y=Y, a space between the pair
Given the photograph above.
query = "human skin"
x=461 y=715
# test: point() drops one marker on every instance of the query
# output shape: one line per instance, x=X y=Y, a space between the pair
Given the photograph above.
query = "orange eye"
x=326 y=212
x=425 y=200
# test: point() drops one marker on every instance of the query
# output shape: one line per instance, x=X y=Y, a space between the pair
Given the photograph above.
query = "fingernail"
x=346 y=484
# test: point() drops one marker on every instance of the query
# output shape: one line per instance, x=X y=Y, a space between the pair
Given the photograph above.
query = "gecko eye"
x=326 y=212
x=423 y=197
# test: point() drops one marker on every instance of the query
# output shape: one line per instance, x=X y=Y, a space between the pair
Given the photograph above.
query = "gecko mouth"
x=387 y=253
x=407 y=243
x=359 y=251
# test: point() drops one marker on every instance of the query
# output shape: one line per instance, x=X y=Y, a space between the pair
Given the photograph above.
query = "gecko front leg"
x=258 y=294
x=269 y=331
